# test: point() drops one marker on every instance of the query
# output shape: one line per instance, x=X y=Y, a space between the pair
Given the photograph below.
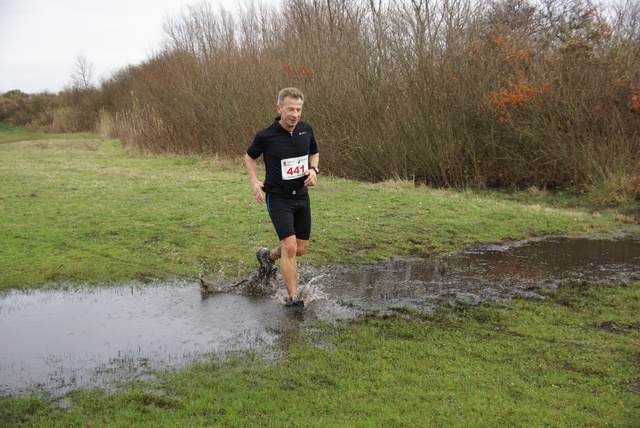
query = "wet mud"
x=58 y=340
x=488 y=272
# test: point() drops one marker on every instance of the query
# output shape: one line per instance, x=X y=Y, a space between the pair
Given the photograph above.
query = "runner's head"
x=290 y=107
x=291 y=93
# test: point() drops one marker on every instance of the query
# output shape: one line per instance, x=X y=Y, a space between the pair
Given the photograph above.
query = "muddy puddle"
x=55 y=340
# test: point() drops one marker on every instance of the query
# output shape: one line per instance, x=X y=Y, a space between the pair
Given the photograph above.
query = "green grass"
x=533 y=364
x=11 y=134
x=77 y=208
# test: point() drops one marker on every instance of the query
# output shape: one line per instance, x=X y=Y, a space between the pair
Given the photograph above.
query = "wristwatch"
x=315 y=168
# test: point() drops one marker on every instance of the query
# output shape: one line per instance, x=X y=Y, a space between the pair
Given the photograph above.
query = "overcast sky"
x=40 y=40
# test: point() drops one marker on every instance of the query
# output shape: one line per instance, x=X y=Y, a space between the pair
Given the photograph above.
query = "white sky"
x=40 y=40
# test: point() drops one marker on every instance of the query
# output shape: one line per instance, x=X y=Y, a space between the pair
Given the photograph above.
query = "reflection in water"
x=60 y=340
x=64 y=339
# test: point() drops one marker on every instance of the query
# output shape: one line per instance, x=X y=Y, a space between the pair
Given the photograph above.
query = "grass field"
x=78 y=209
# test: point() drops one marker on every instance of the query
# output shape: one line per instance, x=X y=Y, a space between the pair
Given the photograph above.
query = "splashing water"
x=266 y=283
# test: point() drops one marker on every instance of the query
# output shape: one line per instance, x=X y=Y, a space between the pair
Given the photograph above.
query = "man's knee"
x=301 y=247
x=289 y=246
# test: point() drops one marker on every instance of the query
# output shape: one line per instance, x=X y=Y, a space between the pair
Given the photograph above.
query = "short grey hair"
x=290 y=92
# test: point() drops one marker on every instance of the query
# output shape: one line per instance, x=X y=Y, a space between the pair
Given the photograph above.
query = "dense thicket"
x=71 y=110
x=449 y=92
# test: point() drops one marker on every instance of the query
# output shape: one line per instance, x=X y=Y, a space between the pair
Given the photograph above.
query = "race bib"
x=294 y=167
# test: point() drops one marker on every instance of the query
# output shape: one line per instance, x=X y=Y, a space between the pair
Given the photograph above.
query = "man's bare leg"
x=289 y=265
x=289 y=249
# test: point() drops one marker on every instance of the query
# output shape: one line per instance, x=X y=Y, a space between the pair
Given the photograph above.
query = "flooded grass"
x=568 y=360
x=97 y=337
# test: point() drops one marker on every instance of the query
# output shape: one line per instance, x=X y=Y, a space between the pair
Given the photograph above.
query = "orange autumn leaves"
x=635 y=103
x=519 y=93
x=303 y=70
x=513 y=59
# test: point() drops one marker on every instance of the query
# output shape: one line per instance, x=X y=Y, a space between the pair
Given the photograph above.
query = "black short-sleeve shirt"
x=276 y=143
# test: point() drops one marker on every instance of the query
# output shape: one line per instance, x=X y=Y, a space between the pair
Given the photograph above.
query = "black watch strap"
x=315 y=168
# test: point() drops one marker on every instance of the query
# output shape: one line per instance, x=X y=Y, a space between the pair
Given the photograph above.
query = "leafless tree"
x=82 y=75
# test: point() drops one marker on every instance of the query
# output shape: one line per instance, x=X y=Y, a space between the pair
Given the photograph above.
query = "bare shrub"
x=505 y=93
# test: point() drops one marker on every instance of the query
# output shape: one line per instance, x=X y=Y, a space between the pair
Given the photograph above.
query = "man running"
x=291 y=159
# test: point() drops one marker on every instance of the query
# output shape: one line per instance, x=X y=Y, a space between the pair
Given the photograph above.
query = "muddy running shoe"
x=266 y=264
x=294 y=301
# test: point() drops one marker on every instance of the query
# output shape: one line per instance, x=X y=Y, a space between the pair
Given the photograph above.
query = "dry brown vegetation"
x=505 y=93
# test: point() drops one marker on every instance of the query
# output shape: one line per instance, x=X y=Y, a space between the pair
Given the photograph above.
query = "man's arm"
x=252 y=170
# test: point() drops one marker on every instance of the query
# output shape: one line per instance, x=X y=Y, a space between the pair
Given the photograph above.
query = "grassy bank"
x=78 y=208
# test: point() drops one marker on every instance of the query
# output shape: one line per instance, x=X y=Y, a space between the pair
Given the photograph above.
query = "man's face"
x=290 y=112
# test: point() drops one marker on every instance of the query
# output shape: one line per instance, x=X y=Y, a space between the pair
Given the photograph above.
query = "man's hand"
x=312 y=178
x=257 y=185
x=257 y=191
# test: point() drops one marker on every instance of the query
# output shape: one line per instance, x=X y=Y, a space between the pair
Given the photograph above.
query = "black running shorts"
x=290 y=215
